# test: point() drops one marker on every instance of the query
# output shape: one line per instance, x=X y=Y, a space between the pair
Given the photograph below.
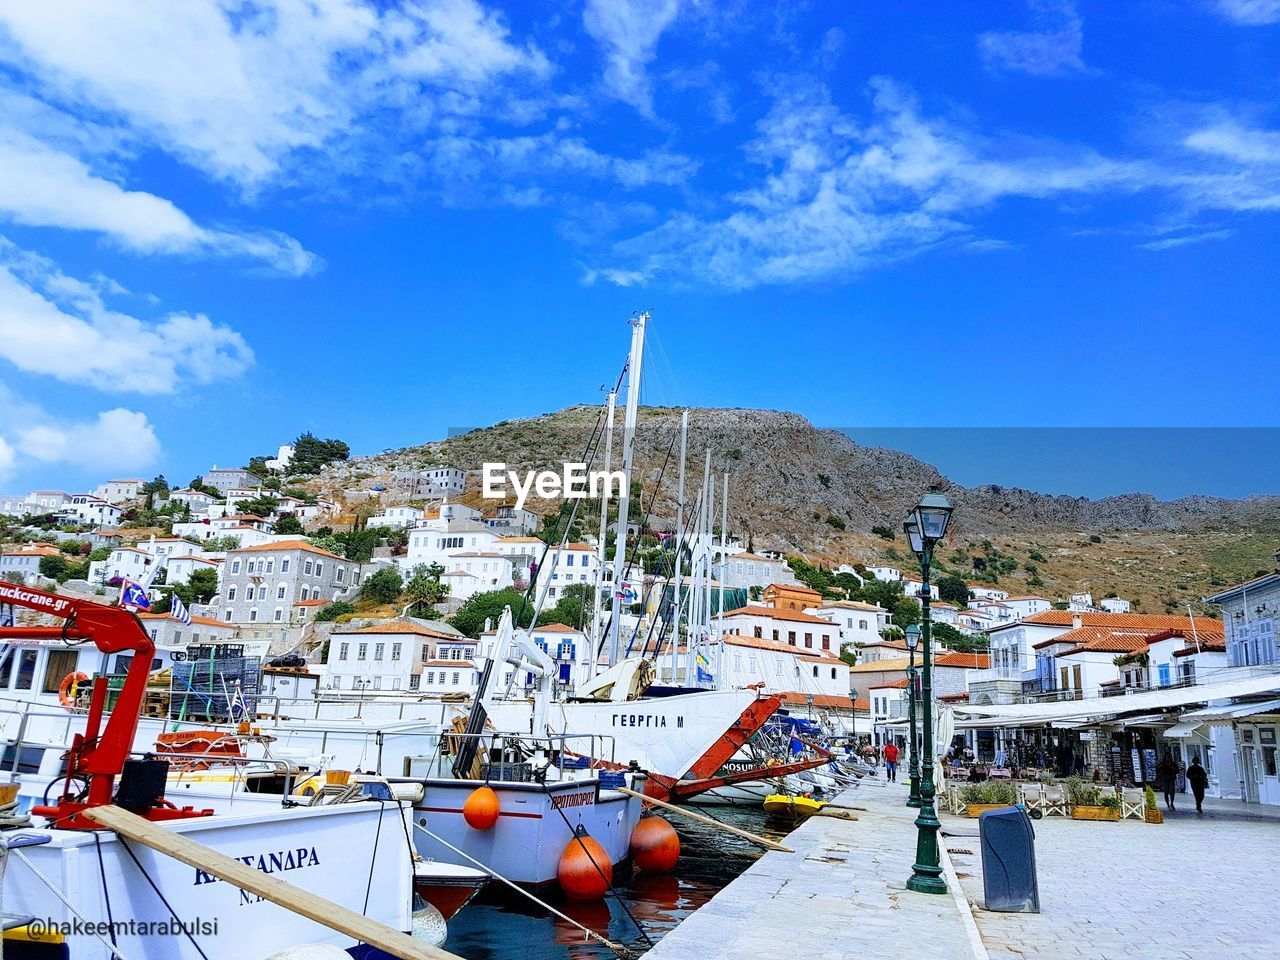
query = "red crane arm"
x=96 y=758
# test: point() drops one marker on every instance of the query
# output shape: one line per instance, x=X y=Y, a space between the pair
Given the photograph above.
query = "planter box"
x=1094 y=813
x=1154 y=816
x=978 y=809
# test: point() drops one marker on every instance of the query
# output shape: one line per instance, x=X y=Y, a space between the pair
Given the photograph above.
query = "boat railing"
x=286 y=768
x=566 y=750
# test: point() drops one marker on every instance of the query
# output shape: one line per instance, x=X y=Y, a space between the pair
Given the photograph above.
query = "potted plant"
x=980 y=797
x=1088 y=802
x=1151 y=812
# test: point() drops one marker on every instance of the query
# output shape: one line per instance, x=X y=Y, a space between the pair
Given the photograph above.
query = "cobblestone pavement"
x=1193 y=888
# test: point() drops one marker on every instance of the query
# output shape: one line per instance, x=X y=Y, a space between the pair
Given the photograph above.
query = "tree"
x=199 y=486
x=573 y=607
x=424 y=591
x=953 y=639
x=158 y=485
x=221 y=544
x=310 y=454
x=479 y=607
x=953 y=589
x=288 y=523
x=201 y=586
x=259 y=506
x=53 y=566
x=383 y=586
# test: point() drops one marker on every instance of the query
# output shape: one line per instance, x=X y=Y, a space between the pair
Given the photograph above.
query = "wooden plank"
x=302 y=902
x=710 y=821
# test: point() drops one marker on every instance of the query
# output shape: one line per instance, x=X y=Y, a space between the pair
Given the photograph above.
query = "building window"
x=343 y=649
x=235 y=566
x=341 y=574
x=378 y=650
x=415 y=681
x=262 y=593
x=270 y=565
x=306 y=568
x=808 y=640
x=284 y=565
x=791 y=637
x=431 y=678
x=362 y=652
x=231 y=593
x=280 y=592
x=279 y=614
x=319 y=568
x=253 y=615
x=395 y=651
x=456 y=677
x=759 y=632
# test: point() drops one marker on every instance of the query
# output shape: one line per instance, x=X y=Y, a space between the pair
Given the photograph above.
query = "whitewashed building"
x=859 y=623
x=121 y=491
x=397 y=517
x=261 y=583
x=389 y=655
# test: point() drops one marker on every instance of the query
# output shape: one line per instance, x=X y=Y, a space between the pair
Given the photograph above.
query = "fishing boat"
x=117 y=856
x=788 y=807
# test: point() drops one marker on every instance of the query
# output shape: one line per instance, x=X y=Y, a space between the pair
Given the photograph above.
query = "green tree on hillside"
x=310 y=453
x=384 y=586
x=472 y=614
x=953 y=589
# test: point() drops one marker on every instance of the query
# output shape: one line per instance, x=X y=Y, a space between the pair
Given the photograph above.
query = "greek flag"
x=133 y=595
x=178 y=610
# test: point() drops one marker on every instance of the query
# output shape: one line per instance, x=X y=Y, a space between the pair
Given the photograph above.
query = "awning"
x=1185 y=731
x=1234 y=711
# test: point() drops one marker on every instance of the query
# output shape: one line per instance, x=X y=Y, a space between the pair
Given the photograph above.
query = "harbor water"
x=646 y=908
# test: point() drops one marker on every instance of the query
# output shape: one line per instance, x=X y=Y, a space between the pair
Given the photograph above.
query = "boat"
x=447 y=886
x=788 y=807
x=337 y=873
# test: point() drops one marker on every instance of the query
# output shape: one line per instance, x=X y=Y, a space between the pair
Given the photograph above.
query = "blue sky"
x=226 y=223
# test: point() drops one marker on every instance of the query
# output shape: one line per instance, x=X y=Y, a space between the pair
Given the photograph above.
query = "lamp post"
x=913 y=638
x=928 y=525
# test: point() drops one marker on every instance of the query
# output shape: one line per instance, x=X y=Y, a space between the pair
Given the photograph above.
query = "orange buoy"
x=655 y=845
x=585 y=870
x=481 y=809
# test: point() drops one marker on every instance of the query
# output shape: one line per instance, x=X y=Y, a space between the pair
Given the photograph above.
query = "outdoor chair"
x=1131 y=804
x=1056 y=803
x=1032 y=797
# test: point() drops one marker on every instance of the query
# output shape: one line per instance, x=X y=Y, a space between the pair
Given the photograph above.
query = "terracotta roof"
x=973 y=661
x=456 y=664
x=854 y=605
x=33 y=551
x=312 y=603
x=899 y=684
x=400 y=626
x=289 y=545
x=555 y=628
x=1207 y=645
x=1065 y=618
x=955 y=697
x=777 y=614
x=519 y=540
x=1092 y=634
x=881 y=666
x=830 y=701
x=777 y=646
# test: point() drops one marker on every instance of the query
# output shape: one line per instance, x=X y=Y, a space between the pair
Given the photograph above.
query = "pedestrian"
x=891 y=761
x=1198 y=779
x=1167 y=776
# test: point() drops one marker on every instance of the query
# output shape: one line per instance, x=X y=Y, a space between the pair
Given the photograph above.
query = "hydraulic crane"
x=98 y=756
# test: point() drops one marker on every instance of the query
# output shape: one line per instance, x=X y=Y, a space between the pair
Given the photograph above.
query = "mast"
x=628 y=456
x=675 y=633
x=724 y=567
x=611 y=402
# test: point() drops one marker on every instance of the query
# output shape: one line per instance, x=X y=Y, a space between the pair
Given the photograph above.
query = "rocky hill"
x=818 y=494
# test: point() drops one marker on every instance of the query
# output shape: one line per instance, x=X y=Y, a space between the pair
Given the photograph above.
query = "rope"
x=607 y=882
x=10 y=819
x=143 y=870
x=106 y=894
x=373 y=857
x=624 y=952
x=68 y=904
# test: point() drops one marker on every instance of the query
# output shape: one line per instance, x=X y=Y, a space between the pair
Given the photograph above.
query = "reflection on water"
x=515 y=929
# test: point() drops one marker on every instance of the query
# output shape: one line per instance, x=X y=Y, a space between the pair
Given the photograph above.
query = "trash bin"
x=1009 y=861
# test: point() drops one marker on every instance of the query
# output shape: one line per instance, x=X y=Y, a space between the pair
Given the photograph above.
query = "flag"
x=133 y=595
x=704 y=669
x=178 y=610
x=796 y=745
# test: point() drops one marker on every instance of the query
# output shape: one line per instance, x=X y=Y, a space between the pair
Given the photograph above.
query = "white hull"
x=337 y=852
x=535 y=825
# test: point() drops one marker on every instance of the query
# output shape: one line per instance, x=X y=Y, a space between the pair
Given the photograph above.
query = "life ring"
x=69 y=687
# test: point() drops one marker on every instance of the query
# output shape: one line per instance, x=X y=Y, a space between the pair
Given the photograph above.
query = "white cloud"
x=1234 y=141
x=1053 y=49
x=629 y=31
x=237 y=88
x=44 y=187
x=1250 y=12
x=1169 y=243
x=59 y=326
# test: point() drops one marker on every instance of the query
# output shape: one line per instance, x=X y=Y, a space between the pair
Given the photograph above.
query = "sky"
x=226 y=223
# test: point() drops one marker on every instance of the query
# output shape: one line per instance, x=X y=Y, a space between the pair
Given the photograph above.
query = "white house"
x=280 y=462
x=1028 y=605
x=885 y=574
x=794 y=628
x=1080 y=602
x=92 y=510
x=125 y=563
x=510 y=521
x=914 y=586
x=227 y=478
x=981 y=591
x=23 y=560
x=178 y=569
x=744 y=570
x=46 y=501
x=859 y=623
x=397 y=517
x=748 y=660
x=388 y=655
x=1114 y=605
x=121 y=491
x=195 y=499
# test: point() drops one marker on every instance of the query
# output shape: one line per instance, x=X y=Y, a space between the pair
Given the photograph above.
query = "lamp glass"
x=912 y=529
x=933 y=514
x=913 y=636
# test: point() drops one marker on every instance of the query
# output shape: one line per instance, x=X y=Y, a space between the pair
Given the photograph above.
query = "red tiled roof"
x=973 y=661
x=955 y=697
x=830 y=701
x=758 y=643
x=777 y=614
x=899 y=684
x=1146 y=621
x=289 y=545
x=401 y=626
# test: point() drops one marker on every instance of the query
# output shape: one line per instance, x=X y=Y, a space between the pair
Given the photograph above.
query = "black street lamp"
x=929 y=519
x=913 y=638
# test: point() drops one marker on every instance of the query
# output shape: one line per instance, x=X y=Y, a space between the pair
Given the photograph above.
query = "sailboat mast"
x=675 y=620
x=611 y=403
x=724 y=568
x=628 y=455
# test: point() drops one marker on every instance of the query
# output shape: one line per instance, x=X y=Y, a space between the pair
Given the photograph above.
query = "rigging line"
x=71 y=907
x=373 y=857
x=177 y=919
x=670 y=576
x=662 y=352
x=106 y=894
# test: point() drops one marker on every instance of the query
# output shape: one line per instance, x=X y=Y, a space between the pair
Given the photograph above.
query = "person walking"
x=1167 y=777
x=891 y=761
x=1198 y=779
